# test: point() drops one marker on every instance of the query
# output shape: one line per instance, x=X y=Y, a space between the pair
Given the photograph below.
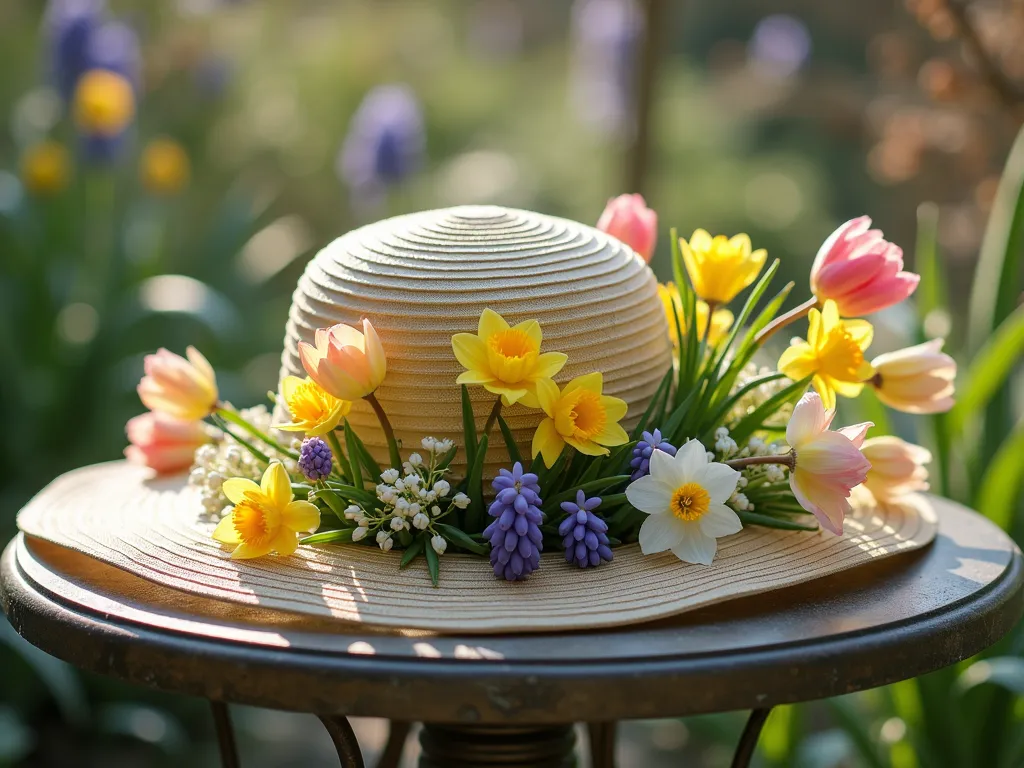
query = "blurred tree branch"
x=651 y=51
x=998 y=82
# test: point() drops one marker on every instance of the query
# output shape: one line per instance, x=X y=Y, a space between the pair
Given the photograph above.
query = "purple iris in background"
x=70 y=26
x=114 y=46
x=606 y=35
x=385 y=142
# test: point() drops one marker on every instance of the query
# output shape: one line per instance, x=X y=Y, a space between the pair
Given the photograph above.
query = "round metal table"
x=511 y=700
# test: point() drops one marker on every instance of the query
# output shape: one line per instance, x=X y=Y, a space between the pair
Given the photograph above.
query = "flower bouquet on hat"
x=718 y=443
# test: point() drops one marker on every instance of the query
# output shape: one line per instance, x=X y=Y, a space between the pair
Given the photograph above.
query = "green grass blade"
x=510 y=441
x=931 y=293
x=432 y=564
x=770 y=521
x=343 y=536
x=752 y=422
x=990 y=369
x=1001 y=485
x=475 y=490
x=468 y=428
x=413 y=550
x=353 y=457
x=461 y=539
x=365 y=458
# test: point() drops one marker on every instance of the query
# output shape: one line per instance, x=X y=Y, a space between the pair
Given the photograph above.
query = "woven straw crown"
x=424 y=277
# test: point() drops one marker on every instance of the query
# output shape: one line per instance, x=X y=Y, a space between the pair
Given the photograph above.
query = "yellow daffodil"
x=506 y=360
x=580 y=416
x=104 y=103
x=833 y=353
x=313 y=410
x=164 y=167
x=45 y=168
x=720 y=267
x=265 y=518
x=721 y=319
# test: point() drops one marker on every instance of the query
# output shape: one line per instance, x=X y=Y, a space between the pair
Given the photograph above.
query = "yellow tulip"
x=344 y=362
x=580 y=415
x=184 y=389
x=265 y=518
x=721 y=319
x=45 y=168
x=833 y=354
x=506 y=360
x=720 y=267
x=104 y=103
x=313 y=411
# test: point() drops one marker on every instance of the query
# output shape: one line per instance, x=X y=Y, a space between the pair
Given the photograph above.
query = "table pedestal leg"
x=344 y=739
x=602 y=744
x=481 y=746
x=748 y=741
x=225 y=736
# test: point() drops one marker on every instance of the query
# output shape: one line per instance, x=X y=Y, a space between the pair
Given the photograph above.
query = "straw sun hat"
x=421 y=278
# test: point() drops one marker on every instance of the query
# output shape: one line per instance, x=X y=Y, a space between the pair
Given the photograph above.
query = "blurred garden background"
x=167 y=169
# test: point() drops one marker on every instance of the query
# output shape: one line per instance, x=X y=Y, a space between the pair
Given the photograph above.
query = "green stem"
x=236 y=418
x=788 y=459
x=241 y=440
x=332 y=438
x=493 y=417
x=785 y=319
x=389 y=433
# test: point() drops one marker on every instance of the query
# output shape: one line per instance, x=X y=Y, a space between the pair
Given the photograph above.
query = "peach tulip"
x=628 y=218
x=163 y=442
x=917 y=379
x=345 y=363
x=897 y=467
x=860 y=270
x=828 y=465
x=184 y=389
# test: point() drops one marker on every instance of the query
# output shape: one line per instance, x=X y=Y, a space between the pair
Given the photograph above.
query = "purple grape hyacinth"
x=516 y=540
x=641 y=462
x=315 y=459
x=584 y=534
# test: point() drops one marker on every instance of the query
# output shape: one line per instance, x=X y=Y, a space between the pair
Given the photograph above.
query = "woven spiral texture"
x=423 y=277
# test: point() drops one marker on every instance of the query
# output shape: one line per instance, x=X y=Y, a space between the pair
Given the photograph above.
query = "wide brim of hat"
x=155 y=528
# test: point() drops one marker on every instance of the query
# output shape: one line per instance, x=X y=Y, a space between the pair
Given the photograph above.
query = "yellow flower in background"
x=833 y=353
x=720 y=267
x=265 y=518
x=579 y=415
x=164 y=167
x=506 y=360
x=45 y=168
x=721 y=319
x=104 y=103
x=313 y=411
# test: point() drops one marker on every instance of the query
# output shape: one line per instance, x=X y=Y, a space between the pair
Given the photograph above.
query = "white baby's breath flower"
x=414 y=508
x=420 y=521
x=359 y=533
x=398 y=524
x=381 y=536
x=215 y=480
x=352 y=512
x=415 y=459
x=429 y=444
x=387 y=544
x=443 y=446
x=439 y=544
x=362 y=522
x=390 y=475
x=441 y=487
x=399 y=485
x=435 y=510
x=461 y=500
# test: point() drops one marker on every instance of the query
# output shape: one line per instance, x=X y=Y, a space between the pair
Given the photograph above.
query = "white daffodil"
x=685 y=497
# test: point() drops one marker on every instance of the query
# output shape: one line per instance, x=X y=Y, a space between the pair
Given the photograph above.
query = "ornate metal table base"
x=482 y=746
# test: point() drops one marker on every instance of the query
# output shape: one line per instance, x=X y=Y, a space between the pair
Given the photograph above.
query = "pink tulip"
x=163 y=442
x=345 y=363
x=628 y=218
x=918 y=379
x=828 y=464
x=860 y=271
x=184 y=389
x=897 y=467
